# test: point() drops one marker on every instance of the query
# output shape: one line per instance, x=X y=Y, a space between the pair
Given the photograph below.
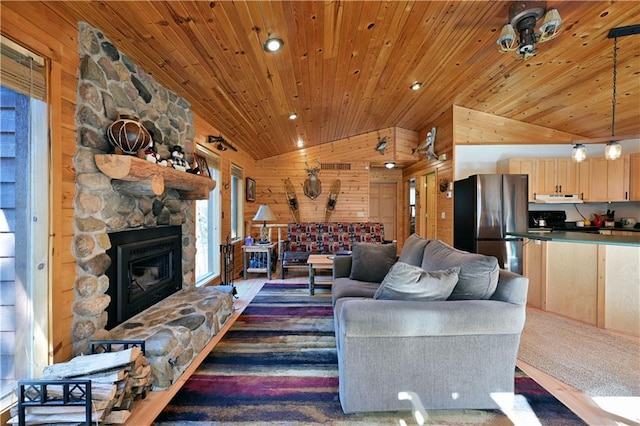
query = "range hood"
x=558 y=198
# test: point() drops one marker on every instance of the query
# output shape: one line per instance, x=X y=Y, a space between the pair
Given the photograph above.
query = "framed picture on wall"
x=203 y=167
x=251 y=190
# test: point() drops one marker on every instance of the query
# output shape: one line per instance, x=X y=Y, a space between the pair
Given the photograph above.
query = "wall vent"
x=335 y=166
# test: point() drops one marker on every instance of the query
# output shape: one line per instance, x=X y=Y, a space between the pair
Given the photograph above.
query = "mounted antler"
x=312 y=169
x=312 y=187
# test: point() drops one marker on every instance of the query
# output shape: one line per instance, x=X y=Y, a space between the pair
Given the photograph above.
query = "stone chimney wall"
x=110 y=84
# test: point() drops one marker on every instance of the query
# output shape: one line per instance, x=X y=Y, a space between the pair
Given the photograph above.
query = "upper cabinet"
x=608 y=180
x=594 y=180
x=634 y=177
x=556 y=176
x=520 y=166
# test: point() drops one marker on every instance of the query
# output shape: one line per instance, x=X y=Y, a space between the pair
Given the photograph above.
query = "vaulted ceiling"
x=346 y=66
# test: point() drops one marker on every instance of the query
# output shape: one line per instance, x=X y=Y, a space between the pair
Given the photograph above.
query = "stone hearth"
x=177 y=329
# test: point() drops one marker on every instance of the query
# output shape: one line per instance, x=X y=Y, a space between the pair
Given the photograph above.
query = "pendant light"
x=579 y=153
x=613 y=150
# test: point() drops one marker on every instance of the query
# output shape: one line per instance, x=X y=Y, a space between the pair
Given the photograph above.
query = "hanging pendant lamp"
x=613 y=150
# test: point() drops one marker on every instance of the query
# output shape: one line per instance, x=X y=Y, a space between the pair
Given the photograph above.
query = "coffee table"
x=318 y=262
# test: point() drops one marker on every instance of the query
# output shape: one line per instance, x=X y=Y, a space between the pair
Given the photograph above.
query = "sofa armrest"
x=342 y=267
x=360 y=317
x=512 y=288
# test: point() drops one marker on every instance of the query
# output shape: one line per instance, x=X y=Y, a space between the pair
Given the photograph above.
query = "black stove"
x=555 y=220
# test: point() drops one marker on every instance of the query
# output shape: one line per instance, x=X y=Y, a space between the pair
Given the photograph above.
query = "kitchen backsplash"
x=574 y=211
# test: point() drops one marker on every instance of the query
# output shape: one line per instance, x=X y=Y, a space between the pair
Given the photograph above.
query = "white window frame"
x=215 y=218
x=237 y=203
x=32 y=281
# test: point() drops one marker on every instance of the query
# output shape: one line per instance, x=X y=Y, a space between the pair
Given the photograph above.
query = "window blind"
x=22 y=70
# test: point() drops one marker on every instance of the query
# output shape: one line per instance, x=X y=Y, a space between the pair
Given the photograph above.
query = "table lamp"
x=264 y=214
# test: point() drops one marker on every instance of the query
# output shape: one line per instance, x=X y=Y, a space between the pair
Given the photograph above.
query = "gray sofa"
x=454 y=350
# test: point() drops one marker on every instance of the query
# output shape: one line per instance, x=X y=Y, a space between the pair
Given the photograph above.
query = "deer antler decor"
x=312 y=186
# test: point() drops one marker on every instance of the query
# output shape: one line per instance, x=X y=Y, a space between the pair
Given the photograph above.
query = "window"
x=24 y=201
x=237 y=197
x=208 y=222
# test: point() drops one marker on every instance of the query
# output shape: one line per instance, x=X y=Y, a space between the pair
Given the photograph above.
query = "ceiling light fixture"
x=523 y=16
x=613 y=150
x=579 y=153
x=273 y=44
x=389 y=164
x=293 y=116
x=415 y=86
x=300 y=143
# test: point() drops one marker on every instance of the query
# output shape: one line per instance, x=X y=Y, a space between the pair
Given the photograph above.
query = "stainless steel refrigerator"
x=486 y=208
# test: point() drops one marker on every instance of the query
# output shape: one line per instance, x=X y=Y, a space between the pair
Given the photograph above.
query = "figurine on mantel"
x=151 y=155
x=177 y=159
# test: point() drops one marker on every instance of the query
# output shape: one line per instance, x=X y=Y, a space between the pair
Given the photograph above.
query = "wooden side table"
x=263 y=252
x=319 y=262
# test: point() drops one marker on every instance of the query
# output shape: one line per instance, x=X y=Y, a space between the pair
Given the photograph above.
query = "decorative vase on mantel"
x=127 y=135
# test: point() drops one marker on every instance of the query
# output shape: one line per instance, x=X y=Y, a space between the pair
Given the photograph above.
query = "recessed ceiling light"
x=273 y=44
x=293 y=116
x=300 y=143
x=415 y=86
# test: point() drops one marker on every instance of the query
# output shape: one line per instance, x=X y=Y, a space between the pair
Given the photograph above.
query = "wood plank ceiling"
x=346 y=66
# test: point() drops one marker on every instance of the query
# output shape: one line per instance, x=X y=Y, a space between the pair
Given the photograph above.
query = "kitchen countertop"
x=620 y=228
x=581 y=237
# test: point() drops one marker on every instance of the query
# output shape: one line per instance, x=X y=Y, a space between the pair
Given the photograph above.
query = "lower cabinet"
x=572 y=281
x=596 y=284
x=534 y=269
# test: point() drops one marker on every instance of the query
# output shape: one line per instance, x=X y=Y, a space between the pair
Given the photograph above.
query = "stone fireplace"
x=109 y=84
x=135 y=251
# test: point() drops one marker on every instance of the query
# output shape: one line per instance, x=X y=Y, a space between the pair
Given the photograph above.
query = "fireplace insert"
x=146 y=267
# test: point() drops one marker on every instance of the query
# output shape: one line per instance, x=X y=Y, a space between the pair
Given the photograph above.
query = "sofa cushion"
x=371 y=262
x=413 y=250
x=478 y=275
x=346 y=287
x=409 y=282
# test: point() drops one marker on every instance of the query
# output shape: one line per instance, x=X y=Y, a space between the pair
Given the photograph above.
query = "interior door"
x=431 y=205
x=383 y=205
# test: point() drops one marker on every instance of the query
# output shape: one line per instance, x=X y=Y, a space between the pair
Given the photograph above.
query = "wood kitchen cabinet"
x=556 y=176
x=572 y=281
x=520 y=166
x=596 y=284
x=535 y=265
x=608 y=179
x=634 y=177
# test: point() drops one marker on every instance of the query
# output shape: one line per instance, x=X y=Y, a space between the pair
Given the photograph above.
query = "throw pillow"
x=371 y=262
x=478 y=277
x=408 y=282
x=413 y=250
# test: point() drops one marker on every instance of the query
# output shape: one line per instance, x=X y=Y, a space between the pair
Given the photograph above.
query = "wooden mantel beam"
x=133 y=169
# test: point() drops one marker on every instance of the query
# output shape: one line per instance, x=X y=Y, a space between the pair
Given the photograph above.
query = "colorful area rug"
x=277 y=365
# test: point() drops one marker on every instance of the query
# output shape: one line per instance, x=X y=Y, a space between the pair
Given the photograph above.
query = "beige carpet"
x=586 y=358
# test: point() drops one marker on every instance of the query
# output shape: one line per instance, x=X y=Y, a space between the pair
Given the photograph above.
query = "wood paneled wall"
x=480 y=128
x=358 y=153
x=443 y=168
